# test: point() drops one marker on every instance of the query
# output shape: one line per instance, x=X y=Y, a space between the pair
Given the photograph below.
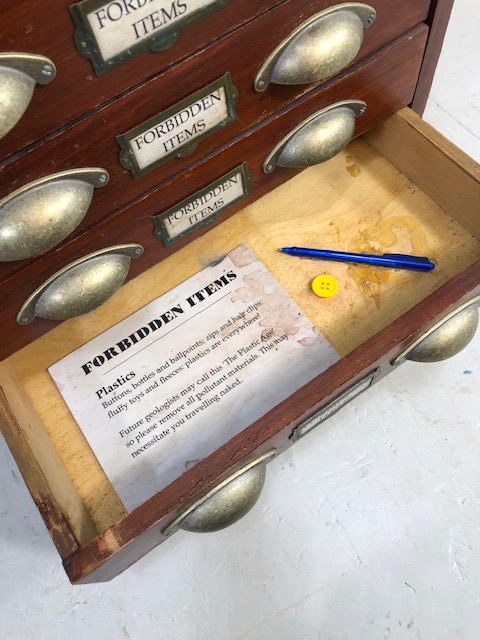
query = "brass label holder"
x=176 y=131
x=203 y=207
x=110 y=33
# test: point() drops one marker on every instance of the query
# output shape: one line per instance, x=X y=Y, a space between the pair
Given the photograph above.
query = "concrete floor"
x=368 y=528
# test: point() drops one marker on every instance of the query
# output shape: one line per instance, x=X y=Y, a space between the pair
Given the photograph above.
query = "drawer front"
x=49 y=30
x=76 y=90
x=226 y=67
x=385 y=83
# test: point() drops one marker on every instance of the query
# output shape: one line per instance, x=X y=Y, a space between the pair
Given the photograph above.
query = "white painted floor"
x=368 y=528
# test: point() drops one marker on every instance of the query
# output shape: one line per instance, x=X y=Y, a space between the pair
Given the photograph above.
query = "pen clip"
x=411 y=259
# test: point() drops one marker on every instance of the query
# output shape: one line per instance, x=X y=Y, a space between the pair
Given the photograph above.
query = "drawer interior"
x=362 y=200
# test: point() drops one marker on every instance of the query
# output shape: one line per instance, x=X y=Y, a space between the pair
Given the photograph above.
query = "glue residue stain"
x=242 y=256
x=277 y=319
x=352 y=168
x=396 y=234
x=337 y=232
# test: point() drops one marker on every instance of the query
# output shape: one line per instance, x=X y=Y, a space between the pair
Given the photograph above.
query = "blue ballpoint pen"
x=392 y=260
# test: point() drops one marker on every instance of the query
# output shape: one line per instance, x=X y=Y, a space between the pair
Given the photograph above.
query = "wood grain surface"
x=76 y=91
x=94 y=536
x=386 y=83
x=437 y=21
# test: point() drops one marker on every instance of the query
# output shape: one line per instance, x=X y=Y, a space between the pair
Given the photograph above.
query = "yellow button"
x=324 y=286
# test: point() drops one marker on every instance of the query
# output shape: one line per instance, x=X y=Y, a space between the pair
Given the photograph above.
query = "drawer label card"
x=111 y=32
x=175 y=132
x=168 y=385
x=203 y=207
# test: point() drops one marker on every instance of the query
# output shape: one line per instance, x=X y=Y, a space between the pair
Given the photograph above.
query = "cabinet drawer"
x=385 y=83
x=374 y=196
x=76 y=90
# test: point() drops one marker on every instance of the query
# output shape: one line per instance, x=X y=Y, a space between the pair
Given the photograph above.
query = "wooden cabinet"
x=77 y=89
x=100 y=138
x=132 y=221
x=376 y=187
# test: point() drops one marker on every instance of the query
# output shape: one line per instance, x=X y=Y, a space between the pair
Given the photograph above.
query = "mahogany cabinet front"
x=100 y=50
x=186 y=112
x=385 y=84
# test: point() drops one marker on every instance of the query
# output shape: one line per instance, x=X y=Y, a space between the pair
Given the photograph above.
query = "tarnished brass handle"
x=81 y=286
x=446 y=338
x=226 y=503
x=318 y=138
x=39 y=215
x=319 y=48
x=19 y=73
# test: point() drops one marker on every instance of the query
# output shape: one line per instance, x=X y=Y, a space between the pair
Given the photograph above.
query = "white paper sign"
x=180 y=377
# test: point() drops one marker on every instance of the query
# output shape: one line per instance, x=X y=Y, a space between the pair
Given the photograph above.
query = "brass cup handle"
x=19 y=74
x=318 y=138
x=81 y=286
x=39 y=215
x=227 y=502
x=445 y=338
x=319 y=48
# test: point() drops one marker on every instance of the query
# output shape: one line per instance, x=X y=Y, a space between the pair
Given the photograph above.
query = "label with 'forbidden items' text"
x=171 y=383
x=204 y=206
x=176 y=131
x=110 y=32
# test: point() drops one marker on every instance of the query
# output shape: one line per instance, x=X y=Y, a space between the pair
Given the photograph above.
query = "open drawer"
x=402 y=188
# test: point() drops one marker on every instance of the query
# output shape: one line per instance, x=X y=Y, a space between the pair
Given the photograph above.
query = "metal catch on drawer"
x=19 y=74
x=81 y=286
x=445 y=338
x=318 y=138
x=227 y=502
x=39 y=215
x=319 y=48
